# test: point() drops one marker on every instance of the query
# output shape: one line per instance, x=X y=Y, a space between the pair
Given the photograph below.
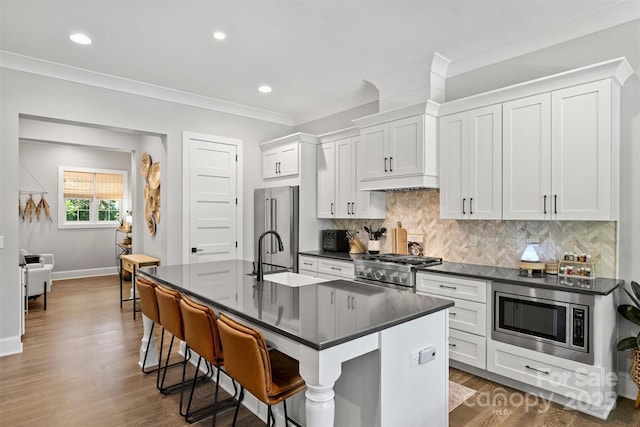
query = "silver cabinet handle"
x=332 y=297
x=448 y=287
x=336 y=268
x=308 y=263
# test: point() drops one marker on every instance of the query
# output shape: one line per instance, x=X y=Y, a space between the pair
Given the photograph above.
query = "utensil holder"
x=373 y=246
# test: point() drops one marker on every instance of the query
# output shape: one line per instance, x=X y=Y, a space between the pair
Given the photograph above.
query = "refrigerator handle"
x=274 y=212
x=267 y=221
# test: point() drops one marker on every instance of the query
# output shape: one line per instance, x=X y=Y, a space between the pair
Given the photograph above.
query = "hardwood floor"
x=79 y=367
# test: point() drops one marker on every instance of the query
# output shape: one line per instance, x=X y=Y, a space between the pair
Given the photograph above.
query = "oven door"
x=553 y=322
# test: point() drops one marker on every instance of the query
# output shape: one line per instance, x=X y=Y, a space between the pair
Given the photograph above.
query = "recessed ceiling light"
x=80 y=38
x=265 y=89
x=219 y=35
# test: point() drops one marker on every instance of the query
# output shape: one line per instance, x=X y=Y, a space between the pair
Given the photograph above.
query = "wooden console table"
x=131 y=263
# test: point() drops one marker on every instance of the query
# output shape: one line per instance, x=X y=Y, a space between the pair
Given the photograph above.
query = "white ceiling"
x=316 y=54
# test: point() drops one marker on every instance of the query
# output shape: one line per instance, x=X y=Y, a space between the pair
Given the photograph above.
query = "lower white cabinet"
x=336 y=269
x=467 y=348
x=467 y=318
x=583 y=383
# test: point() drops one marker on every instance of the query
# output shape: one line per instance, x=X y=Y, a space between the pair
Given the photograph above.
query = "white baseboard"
x=626 y=387
x=89 y=272
x=10 y=345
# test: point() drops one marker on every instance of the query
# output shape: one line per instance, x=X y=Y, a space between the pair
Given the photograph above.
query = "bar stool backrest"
x=148 y=301
x=169 y=310
x=200 y=330
x=247 y=358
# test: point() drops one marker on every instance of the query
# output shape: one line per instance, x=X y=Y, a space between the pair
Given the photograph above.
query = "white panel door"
x=406 y=146
x=325 y=165
x=345 y=178
x=453 y=165
x=526 y=140
x=485 y=163
x=213 y=201
x=375 y=144
x=581 y=152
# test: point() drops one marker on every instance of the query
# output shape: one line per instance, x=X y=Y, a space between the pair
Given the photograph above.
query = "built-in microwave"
x=546 y=320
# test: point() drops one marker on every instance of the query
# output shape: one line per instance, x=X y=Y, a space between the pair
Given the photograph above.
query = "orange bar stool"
x=201 y=336
x=171 y=319
x=269 y=375
x=149 y=307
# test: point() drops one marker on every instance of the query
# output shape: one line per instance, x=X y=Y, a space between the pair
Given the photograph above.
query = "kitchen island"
x=384 y=343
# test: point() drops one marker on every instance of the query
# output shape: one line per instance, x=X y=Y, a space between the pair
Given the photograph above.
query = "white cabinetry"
x=561 y=146
x=281 y=161
x=467 y=318
x=561 y=156
x=471 y=162
x=325 y=268
x=399 y=149
x=338 y=164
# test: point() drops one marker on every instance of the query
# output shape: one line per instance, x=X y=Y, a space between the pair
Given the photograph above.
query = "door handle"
x=471 y=206
x=537 y=370
x=555 y=204
x=332 y=208
x=194 y=250
x=390 y=164
x=353 y=208
x=385 y=165
x=545 y=204
x=463 y=202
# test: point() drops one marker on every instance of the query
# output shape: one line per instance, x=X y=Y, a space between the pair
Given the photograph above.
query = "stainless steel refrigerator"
x=277 y=209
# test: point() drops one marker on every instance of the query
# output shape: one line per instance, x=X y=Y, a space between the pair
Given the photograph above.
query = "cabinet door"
x=374 y=157
x=406 y=146
x=345 y=178
x=485 y=163
x=327 y=300
x=270 y=159
x=453 y=165
x=289 y=160
x=527 y=158
x=582 y=152
x=325 y=162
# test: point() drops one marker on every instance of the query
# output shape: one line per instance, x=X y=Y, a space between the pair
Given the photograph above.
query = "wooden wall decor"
x=151 y=174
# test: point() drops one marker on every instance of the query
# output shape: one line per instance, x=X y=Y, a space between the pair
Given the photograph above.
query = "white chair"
x=38 y=281
x=48 y=261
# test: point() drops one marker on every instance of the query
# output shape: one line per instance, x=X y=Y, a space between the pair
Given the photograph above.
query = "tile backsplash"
x=499 y=243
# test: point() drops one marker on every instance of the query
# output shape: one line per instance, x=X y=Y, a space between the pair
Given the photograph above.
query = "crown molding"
x=10 y=60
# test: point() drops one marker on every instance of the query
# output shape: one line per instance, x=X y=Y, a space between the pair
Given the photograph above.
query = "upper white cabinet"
x=560 y=148
x=399 y=149
x=561 y=156
x=282 y=157
x=280 y=162
x=471 y=164
x=339 y=162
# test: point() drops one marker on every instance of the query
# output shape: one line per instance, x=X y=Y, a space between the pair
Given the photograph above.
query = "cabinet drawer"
x=467 y=316
x=336 y=268
x=452 y=286
x=307 y=263
x=565 y=377
x=468 y=348
x=127 y=265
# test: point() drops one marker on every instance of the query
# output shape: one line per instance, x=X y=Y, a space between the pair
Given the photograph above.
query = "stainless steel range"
x=393 y=270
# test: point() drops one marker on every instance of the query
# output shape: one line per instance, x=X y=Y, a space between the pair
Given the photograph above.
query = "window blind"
x=109 y=186
x=78 y=185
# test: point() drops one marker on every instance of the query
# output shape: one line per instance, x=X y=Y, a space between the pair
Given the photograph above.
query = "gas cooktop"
x=403 y=259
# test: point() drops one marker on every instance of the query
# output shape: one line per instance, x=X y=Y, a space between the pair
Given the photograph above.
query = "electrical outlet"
x=427 y=355
x=533 y=241
x=415 y=358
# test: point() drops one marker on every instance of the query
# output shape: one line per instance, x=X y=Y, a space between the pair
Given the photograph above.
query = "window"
x=91 y=197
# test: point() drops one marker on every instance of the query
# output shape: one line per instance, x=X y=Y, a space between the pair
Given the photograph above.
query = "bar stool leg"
x=144 y=361
x=235 y=415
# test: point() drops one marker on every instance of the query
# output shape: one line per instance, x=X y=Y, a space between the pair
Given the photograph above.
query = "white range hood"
x=399 y=144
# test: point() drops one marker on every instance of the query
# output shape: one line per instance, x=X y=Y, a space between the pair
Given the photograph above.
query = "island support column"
x=148 y=346
x=320 y=369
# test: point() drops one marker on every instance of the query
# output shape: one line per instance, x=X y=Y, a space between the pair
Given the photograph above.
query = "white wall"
x=39 y=96
x=74 y=249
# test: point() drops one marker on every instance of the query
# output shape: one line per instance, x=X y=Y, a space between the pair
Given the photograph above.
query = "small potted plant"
x=632 y=314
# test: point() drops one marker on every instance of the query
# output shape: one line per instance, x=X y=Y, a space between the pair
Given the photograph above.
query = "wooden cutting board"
x=399 y=243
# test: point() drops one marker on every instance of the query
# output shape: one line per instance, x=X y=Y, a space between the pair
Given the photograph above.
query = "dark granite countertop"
x=316 y=315
x=598 y=286
x=341 y=256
